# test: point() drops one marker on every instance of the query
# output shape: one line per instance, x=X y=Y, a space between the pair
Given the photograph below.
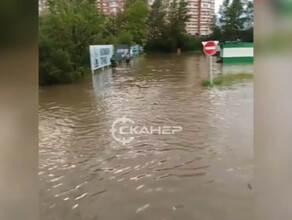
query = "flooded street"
x=203 y=172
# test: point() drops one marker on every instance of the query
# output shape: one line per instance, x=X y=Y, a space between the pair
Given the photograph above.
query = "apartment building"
x=111 y=6
x=105 y=6
x=202 y=13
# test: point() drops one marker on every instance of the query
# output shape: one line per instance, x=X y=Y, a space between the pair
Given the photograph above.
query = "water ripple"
x=82 y=168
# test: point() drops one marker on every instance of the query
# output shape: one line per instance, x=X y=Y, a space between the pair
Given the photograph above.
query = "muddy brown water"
x=203 y=172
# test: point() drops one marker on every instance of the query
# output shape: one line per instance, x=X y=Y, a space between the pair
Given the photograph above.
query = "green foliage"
x=229 y=79
x=124 y=37
x=191 y=43
x=131 y=2
x=231 y=17
x=216 y=30
x=235 y=19
x=249 y=14
x=113 y=24
x=170 y=44
x=136 y=16
x=66 y=31
x=128 y=26
x=167 y=27
x=157 y=20
x=68 y=27
x=54 y=64
x=177 y=17
x=161 y=45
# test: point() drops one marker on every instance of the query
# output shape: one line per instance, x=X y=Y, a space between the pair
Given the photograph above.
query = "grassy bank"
x=225 y=80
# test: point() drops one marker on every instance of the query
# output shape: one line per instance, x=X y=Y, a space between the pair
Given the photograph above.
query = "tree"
x=157 y=20
x=182 y=16
x=130 y=2
x=114 y=24
x=66 y=30
x=235 y=17
x=177 y=18
x=69 y=26
x=249 y=14
x=136 y=16
x=124 y=37
x=216 y=33
x=167 y=27
x=231 y=18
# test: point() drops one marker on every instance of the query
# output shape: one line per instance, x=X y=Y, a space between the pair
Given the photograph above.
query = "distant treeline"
x=234 y=21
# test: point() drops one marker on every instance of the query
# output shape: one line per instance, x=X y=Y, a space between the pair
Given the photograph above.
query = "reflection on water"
x=203 y=172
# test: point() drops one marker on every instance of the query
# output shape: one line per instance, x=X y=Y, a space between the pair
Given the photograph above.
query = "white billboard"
x=100 y=56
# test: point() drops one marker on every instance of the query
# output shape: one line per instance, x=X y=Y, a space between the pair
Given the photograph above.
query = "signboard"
x=135 y=50
x=100 y=56
x=141 y=49
x=210 y=48
x=121 y=51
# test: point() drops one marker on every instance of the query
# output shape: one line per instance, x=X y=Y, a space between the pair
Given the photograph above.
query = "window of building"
x=113 y=4
x=205 y=5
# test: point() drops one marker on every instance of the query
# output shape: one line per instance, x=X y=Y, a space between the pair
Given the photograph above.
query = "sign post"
x=210 y=48
x=211 y=70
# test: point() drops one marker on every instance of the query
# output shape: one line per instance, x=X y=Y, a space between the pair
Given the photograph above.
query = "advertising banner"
x=100 y=56
x=135 y=50
x=121 y=51
x=141 y=49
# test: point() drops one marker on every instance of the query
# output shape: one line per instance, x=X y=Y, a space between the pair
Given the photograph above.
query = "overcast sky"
x=217 y=5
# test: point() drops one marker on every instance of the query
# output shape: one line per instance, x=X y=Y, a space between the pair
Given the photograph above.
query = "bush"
x=185 y=42
x=124 y=37
x=66 y=31
x=191 y=43
x=54 y=65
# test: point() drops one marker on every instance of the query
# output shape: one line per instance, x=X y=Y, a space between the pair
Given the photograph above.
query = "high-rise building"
x=202 y=14
x=110 y=6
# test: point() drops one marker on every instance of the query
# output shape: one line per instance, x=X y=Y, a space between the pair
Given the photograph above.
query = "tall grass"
x=224 y=80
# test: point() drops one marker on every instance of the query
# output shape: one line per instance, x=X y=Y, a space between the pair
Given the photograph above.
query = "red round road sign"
x=210 y=48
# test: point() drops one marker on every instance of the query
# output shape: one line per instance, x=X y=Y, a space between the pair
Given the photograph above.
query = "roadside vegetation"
x=234 y=21
x=226 y=80
x=68 y=27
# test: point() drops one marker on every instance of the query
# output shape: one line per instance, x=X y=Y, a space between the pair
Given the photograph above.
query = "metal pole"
x=211 y=71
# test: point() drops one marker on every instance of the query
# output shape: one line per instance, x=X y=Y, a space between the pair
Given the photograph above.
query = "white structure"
x=202 y=14
x=236 y=52
x=111 y=6
x=100 y=56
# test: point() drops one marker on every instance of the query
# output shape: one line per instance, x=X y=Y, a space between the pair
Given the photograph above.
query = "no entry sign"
x=210 y=47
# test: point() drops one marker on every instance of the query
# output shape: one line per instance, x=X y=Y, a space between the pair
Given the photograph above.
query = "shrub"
x=186 y=42
x=54 y=65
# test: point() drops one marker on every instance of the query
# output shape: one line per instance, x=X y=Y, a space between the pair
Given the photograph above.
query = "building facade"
x=111 y=6
x=202 y=14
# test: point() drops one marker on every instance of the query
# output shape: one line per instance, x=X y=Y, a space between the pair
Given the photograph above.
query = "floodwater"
x=203 y=172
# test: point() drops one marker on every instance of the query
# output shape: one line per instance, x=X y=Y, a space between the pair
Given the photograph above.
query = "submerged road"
x=203 y=172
